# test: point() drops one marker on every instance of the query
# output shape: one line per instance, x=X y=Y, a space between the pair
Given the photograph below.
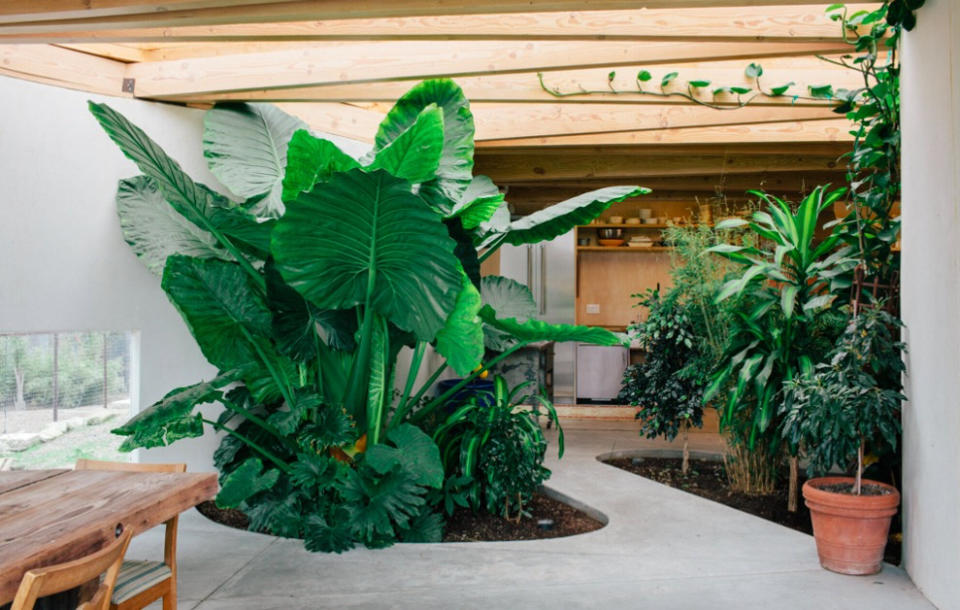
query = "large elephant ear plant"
x=302 y=287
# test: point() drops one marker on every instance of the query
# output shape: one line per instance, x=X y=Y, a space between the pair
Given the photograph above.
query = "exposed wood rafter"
x=773 y=24
x=63 y=68
x=26 y=16
x=525 y=86
x=327 y=63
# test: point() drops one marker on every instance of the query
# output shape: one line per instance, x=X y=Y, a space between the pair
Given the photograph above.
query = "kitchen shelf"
x=622 y=249
x=626 y=226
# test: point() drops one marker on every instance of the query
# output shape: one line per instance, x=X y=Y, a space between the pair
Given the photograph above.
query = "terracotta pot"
x=851 y=531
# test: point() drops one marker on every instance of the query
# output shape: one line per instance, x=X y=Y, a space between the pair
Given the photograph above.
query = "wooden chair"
x=140 y=583
x=61 y=577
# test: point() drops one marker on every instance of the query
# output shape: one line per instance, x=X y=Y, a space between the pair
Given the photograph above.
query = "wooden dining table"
x=52 y=516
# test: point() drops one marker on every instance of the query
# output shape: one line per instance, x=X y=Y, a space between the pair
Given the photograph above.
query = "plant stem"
x=259 y=449
x=405 y=408
x=792 y=500
x=281 y=380
x=439 y=400
x=858 y=482
x=493 y=247
x=256 y=419
x=415 y=362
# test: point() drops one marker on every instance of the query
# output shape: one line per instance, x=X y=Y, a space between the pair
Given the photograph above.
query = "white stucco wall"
x=63 y=262
x=931 y=301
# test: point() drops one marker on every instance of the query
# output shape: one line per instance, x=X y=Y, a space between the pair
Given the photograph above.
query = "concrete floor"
x=662 y=549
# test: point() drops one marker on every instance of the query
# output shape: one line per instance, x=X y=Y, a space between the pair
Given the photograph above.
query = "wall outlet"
x=593 y=308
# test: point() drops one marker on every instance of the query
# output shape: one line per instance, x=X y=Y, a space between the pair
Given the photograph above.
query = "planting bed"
x=707 y=479
x=467 y=526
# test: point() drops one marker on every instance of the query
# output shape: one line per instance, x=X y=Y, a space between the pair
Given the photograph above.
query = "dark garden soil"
x=467 y=526
x=707 y=479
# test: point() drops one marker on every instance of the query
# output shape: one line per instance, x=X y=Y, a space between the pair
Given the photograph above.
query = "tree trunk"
x=792 y=500
x=685 y=465
x=19 y=402
x=859 y=477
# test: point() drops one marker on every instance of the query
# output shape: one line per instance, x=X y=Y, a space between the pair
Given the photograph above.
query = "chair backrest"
x=170 y=537
x=61 y=577
x=128 y=466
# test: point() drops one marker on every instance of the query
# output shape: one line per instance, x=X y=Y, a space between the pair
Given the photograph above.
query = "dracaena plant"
x=787 y=283
x=303 y=288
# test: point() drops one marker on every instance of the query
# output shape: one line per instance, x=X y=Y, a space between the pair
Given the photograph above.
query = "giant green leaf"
x=155 y=230
x=246 y=481
x=298 y=325
x=364 y=237
x=456 y=161
x=460 y=341
x=414 y=451
x=171 y=418
x=536 y=330
x=479 y=202
x=220 y=306
x=509 y=299
x=415 y=153
x=195 y=202
x=246 y=148
x=311 y=160
x=561 y=217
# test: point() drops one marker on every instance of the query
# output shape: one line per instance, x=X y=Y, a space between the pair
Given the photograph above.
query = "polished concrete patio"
x=661 y=549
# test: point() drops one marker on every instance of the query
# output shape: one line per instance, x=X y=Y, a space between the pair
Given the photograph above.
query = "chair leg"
x=170 y=599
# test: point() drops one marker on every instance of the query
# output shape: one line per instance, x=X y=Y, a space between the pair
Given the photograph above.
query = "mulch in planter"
x=467 y=526
x=707 y=479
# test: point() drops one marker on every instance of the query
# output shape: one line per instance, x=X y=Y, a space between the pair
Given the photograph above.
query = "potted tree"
x=844 y=409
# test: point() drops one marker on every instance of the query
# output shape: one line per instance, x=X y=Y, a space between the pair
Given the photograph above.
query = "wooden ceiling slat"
x=512 y=121
x=513 y=168
x=31 y=16
x=706 y=183
x=339 y=119
x=525 y=87
x=63 y=68
x=773 y=24
x=776 y=133
x=327 y=63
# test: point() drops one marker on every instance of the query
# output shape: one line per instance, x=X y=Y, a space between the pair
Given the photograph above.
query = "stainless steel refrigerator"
x=548 y=270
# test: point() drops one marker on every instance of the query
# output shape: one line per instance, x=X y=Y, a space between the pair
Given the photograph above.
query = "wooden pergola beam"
x=514 y=121
x=773 y=24
x=53 y=65
x=525 y=86
x=327 y=63
x=523 y=168
x=30 y=16
x=340 y=119
x=776 y=133
x=703 y=185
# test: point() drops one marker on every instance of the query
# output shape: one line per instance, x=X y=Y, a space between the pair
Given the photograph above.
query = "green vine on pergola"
x=873 y=167
x=753 y=71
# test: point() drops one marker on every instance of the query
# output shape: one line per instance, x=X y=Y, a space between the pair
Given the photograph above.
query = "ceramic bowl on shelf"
x=640 y=244
x=610 y=233
x=633 y=221
x=616 y=220
x=611 y=243
x=650 y=221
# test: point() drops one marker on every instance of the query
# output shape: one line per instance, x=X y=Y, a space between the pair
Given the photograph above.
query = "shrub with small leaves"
x=667 y=392
x=849 y=404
